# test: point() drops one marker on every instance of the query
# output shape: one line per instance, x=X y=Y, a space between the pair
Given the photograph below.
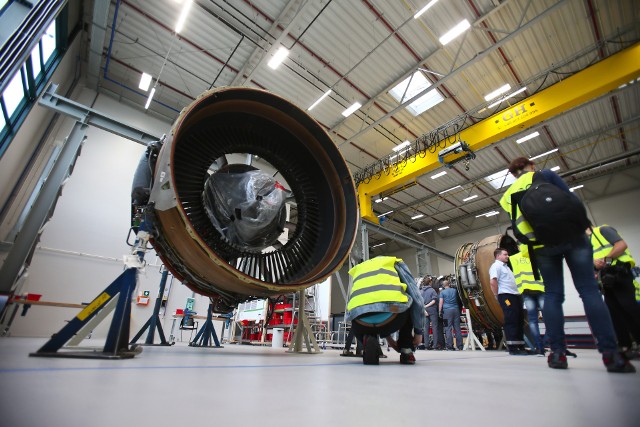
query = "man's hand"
x=599 y=263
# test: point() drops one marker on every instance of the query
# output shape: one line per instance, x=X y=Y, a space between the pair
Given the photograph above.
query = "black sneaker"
x=616 y=362
x=407 y=358
x=540 y=352
x=557 y=360
x=371 y=353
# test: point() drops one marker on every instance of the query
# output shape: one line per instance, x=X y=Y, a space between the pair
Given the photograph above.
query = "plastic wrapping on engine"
x=247 y=208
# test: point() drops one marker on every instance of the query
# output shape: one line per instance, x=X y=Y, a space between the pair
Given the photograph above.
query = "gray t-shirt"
x=505 y=277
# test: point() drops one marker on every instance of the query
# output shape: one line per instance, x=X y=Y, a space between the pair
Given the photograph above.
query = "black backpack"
x=555 y=215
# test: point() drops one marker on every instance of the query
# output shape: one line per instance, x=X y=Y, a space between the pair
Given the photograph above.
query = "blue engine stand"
x=154 y=321
x=206 y=333
x=116 y=345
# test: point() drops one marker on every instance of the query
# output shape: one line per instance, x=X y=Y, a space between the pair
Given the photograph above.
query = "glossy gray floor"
x=242 y=385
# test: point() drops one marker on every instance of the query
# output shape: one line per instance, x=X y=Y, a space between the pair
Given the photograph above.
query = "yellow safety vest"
x=602 y=247
x=522 y=183
x=521 y=264
x=376 y=280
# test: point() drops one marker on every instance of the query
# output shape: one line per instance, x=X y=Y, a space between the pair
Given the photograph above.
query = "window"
x=49 y=42
x=35 y=61
x=13 y=94
x=413 y=85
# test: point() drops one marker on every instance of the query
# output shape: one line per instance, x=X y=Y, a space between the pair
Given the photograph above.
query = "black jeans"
x=620 y=298
x=402 y=323
x=513 y=319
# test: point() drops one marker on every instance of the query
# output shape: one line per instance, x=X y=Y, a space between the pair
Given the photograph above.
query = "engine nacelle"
x=238 y=122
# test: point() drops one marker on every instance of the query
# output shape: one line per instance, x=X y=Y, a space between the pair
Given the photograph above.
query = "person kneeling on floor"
x=384 y=299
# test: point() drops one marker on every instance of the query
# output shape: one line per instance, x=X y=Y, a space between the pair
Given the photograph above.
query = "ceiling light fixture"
x=424 y=9
x=379 y=244
x=183 y=15
x=504 y=98
x=384 y=214
x=425 y=231
x=401 y=146
x=145 y=81
x=443 y=228
x=544 y=154
x=278 y=57
x=438 y=175
x=327 y=93
x=496 y=93
x=470 y=198
x=452 y=188
x=528 y=137
x=455 y=32
x=555 y=168
x=153 y=92
x=417 y=216
x=351 y=109
x=572 y=189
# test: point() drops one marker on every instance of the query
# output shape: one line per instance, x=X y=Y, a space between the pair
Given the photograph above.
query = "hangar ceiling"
x=362 y=50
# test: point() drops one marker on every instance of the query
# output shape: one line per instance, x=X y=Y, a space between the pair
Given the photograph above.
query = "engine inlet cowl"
x=268 y=134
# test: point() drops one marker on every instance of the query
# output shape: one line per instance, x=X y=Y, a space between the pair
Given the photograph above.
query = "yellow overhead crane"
x=587 y=84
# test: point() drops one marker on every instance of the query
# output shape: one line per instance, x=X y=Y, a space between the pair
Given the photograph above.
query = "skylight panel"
x=500 y=179
x=410 y=87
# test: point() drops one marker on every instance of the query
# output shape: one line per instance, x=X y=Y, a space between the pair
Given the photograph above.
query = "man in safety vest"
x=578 y=255
x=384 y=299
x=611 y=258
x=532 y=291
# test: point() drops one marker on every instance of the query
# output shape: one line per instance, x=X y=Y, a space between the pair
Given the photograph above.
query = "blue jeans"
x=534 y=302
x=579 y=257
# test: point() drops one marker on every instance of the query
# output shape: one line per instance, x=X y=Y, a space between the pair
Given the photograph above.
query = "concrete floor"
x=241 y=385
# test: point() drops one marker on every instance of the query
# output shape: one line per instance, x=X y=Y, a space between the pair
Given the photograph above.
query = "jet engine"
x=249 y=198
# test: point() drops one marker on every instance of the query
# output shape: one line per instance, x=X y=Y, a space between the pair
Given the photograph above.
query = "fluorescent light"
x=528 y=137
x=455 y=32
x=572 y=189
x=496 y=93
x=555 y=168
x=424 y=9
x=401 y=146
x=327 y=93
x=470 y=198
x=381 y=199
x=438 y=175
x=425 y=231
x=544 y=154
x=452 y=188
x=504 y=98
x=379 y=244
x=386 y=213
x=153 y=91
x=443 y=228
x=351 y=109
x=417 y=216
x=145 y=82
x=183 y=15
x=278 y=57
x=488 y=214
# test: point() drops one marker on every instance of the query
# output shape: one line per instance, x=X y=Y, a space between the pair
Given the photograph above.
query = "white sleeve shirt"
x=505 y=277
